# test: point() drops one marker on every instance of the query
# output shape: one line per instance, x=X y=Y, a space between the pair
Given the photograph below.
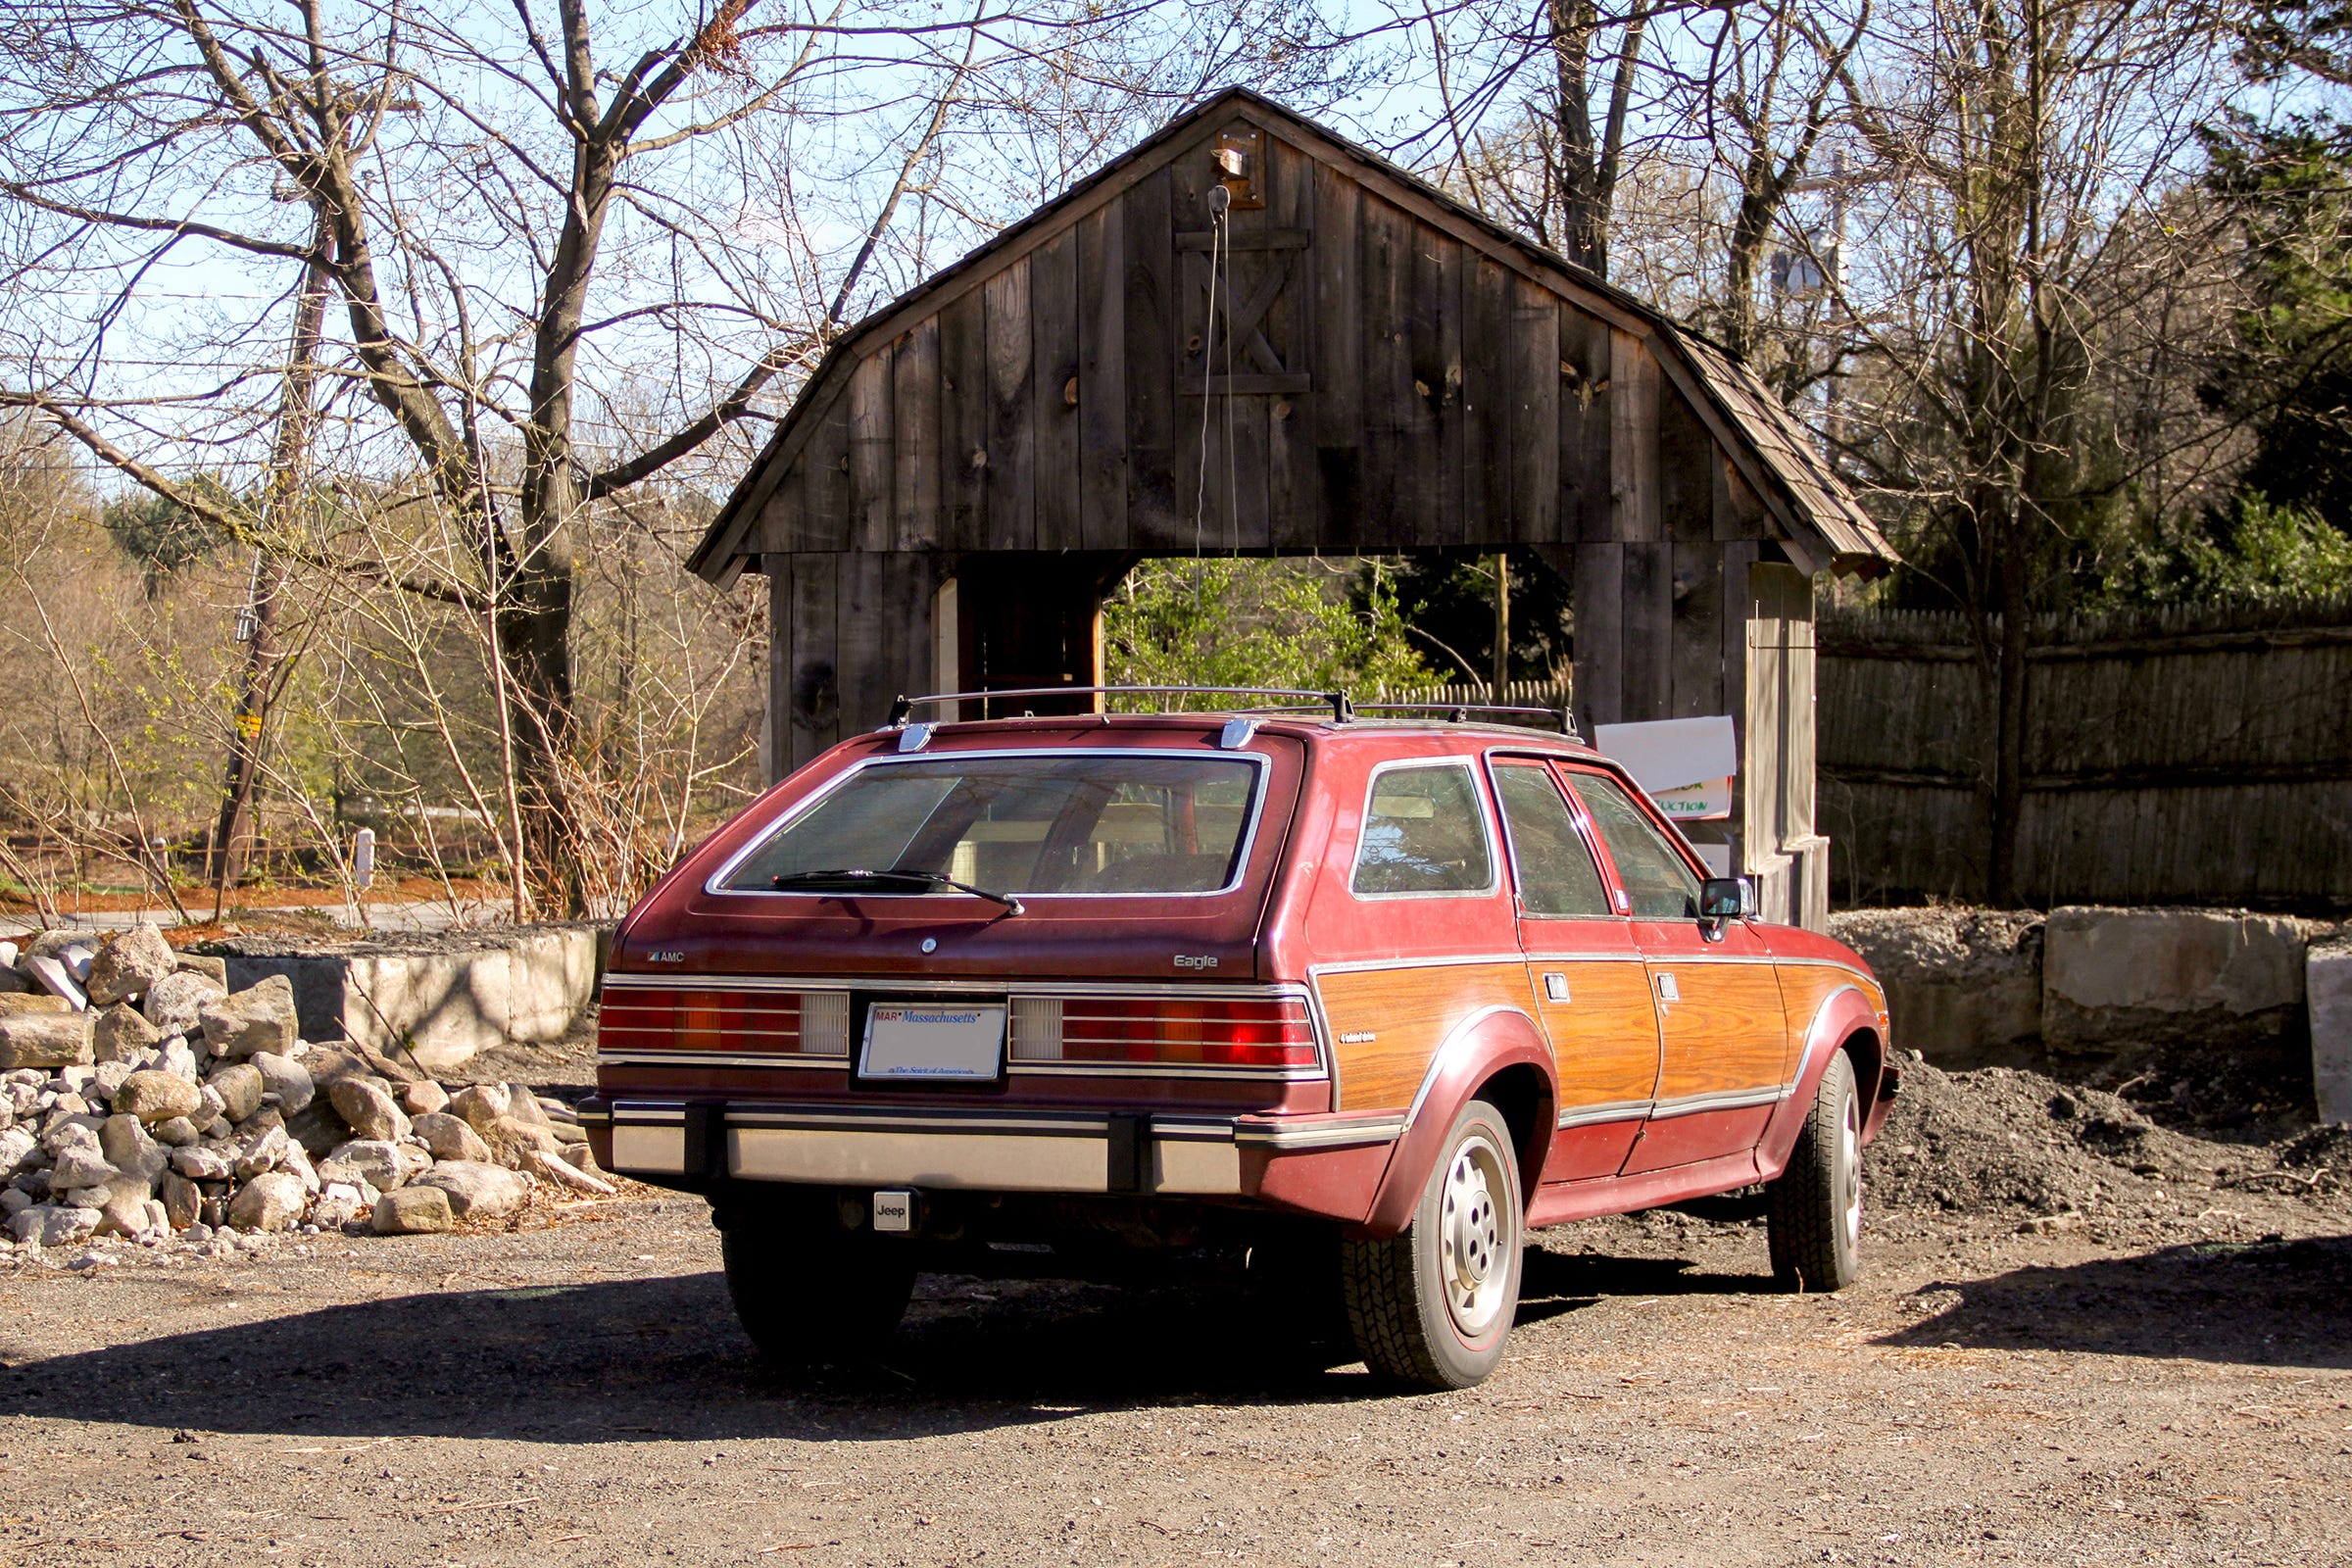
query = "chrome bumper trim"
x=949 y=1148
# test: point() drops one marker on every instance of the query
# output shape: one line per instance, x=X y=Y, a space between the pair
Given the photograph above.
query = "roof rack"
x=1464 y=713
x=1342 y=707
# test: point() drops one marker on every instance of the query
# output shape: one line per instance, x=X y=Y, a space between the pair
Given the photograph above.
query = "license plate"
x=933 y=1040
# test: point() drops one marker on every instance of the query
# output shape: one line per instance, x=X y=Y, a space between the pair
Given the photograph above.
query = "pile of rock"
x=140 y=1098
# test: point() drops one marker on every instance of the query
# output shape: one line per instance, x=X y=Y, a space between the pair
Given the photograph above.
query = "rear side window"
x=1655 y=878
x=1556 y=872
x=1423 y=834
x=1041 y=823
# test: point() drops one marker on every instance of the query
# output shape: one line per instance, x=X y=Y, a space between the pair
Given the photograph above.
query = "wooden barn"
x=1249 y=336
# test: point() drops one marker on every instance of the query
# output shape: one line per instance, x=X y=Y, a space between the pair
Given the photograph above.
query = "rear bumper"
x=1325 y=1164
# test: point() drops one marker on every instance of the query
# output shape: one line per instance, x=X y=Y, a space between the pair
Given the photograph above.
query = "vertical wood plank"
x=1103 y=379
x=1737 y=558
x=1599 y=597
x=1338 y=365
x=1293 y=514
x=812 y=692
x=783 y=519
x=1697 y=635
x=1648 y=672
x=1535 y=415
x=1055 y=389
x=1433 y=432
x=963 y=454
x=873 y=466
x=916 y=497
x=825 y=506
x=1391 y=408
x=1011 y=472
x=776 y=733
x=1686 y=470
x=1487 y=488
x=1152 y=513
x=1633 y=439
x=1584 y=371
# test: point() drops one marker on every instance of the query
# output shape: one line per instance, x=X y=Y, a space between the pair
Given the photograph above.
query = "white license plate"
x=933 y=1040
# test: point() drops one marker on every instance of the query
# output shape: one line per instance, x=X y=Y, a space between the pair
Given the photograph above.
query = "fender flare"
x=1844 y=1015
x=1482 y=1045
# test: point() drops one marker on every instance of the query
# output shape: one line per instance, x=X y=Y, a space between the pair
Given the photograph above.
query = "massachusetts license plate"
x=933 y=1040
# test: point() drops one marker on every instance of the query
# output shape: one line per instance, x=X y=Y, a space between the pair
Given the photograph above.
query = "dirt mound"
x=2002 y=1138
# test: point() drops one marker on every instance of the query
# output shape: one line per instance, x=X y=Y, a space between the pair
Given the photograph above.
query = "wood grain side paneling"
x=1605 y=1038
x=1804 y=987
x=1725 y=1034
x=1409 y=1012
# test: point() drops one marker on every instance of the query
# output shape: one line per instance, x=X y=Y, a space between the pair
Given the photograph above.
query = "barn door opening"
x=1025 y=621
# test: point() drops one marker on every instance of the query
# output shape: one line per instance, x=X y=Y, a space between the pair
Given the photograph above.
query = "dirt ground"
x=2159 y=1373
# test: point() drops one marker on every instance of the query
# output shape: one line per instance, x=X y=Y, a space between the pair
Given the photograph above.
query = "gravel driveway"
x=2160 y=1373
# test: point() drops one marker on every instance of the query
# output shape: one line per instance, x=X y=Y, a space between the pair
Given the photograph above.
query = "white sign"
x=1685 y=765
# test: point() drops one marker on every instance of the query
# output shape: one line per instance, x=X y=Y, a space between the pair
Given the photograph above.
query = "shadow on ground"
x=2276 y=1303
x=624 y=1361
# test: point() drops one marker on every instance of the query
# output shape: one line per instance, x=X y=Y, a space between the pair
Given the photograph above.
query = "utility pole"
x=1502 y=624
x=257 y=623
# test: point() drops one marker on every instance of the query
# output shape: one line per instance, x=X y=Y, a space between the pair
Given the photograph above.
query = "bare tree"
x=536 y=223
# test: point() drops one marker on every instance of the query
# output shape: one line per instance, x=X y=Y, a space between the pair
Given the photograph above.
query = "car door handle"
x=1668 y=991
x=1555 y=986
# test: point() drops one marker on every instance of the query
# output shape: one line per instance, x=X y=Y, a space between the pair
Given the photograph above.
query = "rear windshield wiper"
x=851 y=878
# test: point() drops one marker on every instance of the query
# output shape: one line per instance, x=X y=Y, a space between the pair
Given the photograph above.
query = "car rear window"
x=1035 y=823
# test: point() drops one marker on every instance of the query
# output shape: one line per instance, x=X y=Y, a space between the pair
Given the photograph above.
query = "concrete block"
x=2327 y=984
x=1963 y=986
x=2116 y=981
x=443 y=997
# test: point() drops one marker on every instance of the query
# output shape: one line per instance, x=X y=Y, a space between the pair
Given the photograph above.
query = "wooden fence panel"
x=2193 y=756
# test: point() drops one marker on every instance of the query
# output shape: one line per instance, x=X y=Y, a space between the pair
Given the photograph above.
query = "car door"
x=1722 y=1036
x=1590 y=984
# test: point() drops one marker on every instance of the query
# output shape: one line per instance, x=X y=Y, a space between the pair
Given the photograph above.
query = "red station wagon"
x=1373 y=995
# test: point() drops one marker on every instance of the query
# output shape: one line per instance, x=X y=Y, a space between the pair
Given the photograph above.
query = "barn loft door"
x=1234 y=338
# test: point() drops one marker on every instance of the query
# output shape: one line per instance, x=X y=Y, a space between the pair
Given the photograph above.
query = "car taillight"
x=1155 y=1032
x=800 y=1023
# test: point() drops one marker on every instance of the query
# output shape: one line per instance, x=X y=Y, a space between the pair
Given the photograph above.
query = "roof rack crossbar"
x=1343 y=709
x=1459 y=713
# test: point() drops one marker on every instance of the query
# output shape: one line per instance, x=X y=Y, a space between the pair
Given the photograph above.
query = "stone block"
x=2328 y=985
x=439 y=1002
x=44 y=1040
x=2119 y=981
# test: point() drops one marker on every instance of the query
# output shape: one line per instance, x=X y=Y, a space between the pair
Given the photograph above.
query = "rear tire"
x=1431 y=1308
x=809 y=1294
x=1815 y=1219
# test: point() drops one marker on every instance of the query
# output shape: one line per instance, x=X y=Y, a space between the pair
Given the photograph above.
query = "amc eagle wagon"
x=1373 y=996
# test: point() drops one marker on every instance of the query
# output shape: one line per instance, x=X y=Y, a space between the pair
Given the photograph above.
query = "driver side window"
x=1655 y=878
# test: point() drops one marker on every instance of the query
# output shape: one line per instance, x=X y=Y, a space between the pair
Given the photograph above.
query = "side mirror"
x=1727 y=898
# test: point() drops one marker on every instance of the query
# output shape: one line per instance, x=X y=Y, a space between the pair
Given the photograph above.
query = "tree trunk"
x=286 y=460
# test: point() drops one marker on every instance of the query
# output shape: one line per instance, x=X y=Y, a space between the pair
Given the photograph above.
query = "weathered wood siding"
x=2197 y=757
x=1369 y=381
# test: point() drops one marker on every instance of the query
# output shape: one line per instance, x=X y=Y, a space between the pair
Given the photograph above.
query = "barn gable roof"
x=1776 y=455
